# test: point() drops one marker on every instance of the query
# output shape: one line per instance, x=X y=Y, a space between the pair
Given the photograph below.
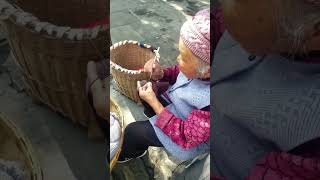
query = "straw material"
x=115 y=108
x=19 y=16
x=126 y=58
x=53 y=59
x=85 y=11
x=15 y=147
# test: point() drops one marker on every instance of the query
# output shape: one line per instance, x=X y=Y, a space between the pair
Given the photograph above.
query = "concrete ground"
x=154 y=22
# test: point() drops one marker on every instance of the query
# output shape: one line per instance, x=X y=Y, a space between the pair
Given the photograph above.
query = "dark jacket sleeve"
x=170 y=74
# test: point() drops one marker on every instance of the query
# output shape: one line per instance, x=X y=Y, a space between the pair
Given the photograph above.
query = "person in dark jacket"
x=266 y=90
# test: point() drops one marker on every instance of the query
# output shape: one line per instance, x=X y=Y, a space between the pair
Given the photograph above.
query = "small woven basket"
x=127 y=59
x=115 y=108
x=52 y=54
x=14 y=146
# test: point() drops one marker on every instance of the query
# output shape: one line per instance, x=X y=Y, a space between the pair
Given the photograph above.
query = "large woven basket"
x=14 y=146
x=115 y=108
x=52 y=11
x=52 y=51
x=127 y=59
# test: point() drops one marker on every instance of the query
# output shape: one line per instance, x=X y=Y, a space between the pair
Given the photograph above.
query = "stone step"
x=27 y=116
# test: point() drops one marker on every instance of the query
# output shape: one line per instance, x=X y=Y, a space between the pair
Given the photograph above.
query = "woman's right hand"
x=154 y=68
x=99 y=90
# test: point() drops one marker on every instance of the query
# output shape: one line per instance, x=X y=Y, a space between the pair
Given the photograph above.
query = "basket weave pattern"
x=20 y=148
x=53 y=60
x=52 y=11
x=115 y=108
x=126 y=58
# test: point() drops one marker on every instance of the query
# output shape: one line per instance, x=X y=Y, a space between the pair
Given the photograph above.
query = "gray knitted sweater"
x=259 y=105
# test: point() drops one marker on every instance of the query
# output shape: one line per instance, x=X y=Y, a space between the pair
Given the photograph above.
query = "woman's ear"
x=206 y=74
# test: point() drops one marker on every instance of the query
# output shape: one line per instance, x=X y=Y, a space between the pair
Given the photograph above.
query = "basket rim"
x=29 y=21
x=116 y=156
x=36 y=169
x=142 y=45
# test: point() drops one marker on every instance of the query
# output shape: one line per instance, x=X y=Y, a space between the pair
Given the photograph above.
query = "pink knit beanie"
x=196 y=35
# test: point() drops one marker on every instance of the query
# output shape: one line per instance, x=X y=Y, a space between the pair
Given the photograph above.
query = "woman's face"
x=187 y=61
x=251 y=23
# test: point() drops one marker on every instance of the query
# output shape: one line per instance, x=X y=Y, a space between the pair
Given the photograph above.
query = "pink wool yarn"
x=196 y=35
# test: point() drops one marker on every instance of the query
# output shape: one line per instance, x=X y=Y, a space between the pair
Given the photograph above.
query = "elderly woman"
x=266 y=90
x=175 y=113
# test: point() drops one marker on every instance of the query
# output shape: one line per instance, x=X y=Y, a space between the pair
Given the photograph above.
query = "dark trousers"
x=138 y=136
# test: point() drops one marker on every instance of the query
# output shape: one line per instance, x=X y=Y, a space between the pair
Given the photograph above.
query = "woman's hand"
x=154 y=68
x=147 y=94
x=99 y=90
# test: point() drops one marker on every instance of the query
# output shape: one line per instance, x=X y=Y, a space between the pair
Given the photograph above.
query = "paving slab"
x=119 y=5
x=122 y=18
x=122 y=33
x=18 y=108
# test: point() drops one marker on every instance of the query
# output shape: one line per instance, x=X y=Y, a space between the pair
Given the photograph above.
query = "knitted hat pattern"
x=195 y=34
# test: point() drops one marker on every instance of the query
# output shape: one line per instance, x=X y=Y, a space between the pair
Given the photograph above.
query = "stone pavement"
x=157 y=23
x=154 y=22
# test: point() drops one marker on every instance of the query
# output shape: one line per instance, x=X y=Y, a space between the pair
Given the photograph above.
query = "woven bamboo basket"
x=51 y=11
x=52 y=51
x=127 y=59
x=115 y=108
x=14 y=146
